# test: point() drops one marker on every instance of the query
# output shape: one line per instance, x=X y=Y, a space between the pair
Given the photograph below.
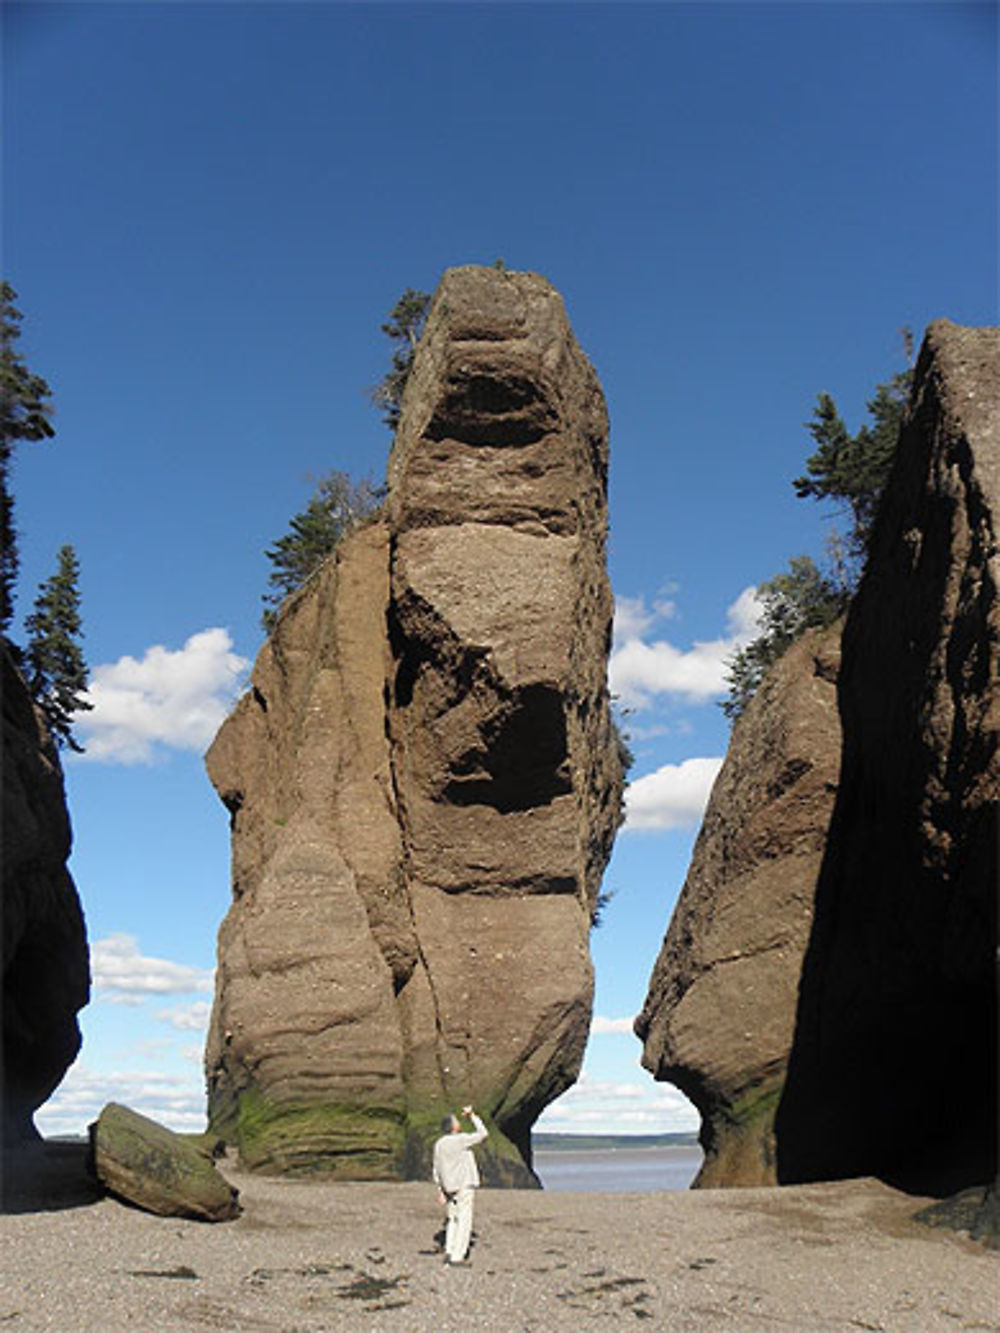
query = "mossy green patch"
x=758 y=1103
x=317 y=1138
x=352 y=1142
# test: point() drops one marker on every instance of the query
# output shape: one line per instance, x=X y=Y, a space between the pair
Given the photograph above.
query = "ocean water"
x=619 y=1170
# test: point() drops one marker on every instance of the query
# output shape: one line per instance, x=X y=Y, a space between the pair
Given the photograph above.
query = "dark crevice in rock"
x=482 y=888
x=522 y=762
x=503 y=410
x=789 y=775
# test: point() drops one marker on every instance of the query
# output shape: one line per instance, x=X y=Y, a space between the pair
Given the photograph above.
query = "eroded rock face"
x=46 y=967
x=719 y=1017
x=423 y=780
x=827 y=992
x=894 y=1066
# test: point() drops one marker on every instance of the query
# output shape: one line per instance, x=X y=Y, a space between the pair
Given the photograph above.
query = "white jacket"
x=454 y=1164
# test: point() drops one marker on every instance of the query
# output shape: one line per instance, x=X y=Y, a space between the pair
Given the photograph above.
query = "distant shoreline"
x=610 y=1142
x=541 y=1142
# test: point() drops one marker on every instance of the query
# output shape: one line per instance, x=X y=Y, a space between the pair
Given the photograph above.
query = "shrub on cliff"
x=404 y=327
x=852 y=469
x=338 y=506
x=802 y=598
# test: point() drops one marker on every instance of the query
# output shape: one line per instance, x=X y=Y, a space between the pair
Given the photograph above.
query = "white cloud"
x=176 y=699
x=674 y=796
x=122 y=975
x=596 y=1106
x=743 y=617
x=633 y=619
x=602 y=1025
x=177 y=1101
x=192 y=1018
x=150 y=1048
x=640 y=670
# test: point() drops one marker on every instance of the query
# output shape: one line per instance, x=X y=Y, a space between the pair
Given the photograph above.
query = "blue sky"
x=209 y=210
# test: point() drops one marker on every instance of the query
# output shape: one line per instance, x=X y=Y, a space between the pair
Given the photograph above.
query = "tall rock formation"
x=827 y=993
x=423 y=780
x=720 y=1014
x=894 y=1065
x=46 y=966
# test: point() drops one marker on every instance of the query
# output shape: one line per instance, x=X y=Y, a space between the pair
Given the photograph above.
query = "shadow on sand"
x=45 y=1176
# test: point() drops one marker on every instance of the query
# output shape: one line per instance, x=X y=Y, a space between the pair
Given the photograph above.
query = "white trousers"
x=459 y=1229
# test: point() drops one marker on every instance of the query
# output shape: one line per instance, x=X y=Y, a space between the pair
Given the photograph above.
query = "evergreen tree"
x=853 y=469
x=25 y=414
x=56 y=671
x=802 y=598
x=337 y=507
x=404 y=327
x=849 y=469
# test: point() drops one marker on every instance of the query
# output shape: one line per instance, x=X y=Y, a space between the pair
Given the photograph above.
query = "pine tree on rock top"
x=56 y=671
x=338 y=506
x=797 y=600
x=404 y=327
x=25 y=414
x=852 y=471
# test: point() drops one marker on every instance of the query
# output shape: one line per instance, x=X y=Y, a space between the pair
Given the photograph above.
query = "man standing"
x=457 y=1176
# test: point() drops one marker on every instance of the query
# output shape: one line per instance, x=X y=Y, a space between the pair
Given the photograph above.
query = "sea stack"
x=833 y=955
x=423 y=779
x=899 y=986
x=719 y=1017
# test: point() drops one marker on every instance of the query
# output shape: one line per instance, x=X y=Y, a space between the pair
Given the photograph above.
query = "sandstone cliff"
x=894 y=1065
x=423 y=783
x=827 y=989
x=46 y=968
x=719 y=1017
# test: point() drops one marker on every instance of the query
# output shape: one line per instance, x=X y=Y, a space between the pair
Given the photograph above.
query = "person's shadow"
x=437 y=1240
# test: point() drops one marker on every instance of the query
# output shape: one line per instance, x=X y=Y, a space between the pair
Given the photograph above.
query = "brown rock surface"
x=894 y=1065
x=423 y=782
x=719 y=1017
x=46 y=968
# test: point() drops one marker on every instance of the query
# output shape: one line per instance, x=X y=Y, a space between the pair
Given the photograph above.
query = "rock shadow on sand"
x=39 y=1176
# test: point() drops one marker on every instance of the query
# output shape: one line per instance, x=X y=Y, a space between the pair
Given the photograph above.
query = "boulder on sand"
x=148 y=1165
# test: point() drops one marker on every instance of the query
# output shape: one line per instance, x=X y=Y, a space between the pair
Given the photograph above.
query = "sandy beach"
x=308 y=1257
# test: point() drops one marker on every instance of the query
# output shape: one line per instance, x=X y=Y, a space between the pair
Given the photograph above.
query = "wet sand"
x=307 y=1257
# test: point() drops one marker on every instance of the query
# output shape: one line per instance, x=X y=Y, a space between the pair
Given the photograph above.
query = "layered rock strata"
x=423 y=780
x=46 y=966
x=719 y=1017
x=894 y=1064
